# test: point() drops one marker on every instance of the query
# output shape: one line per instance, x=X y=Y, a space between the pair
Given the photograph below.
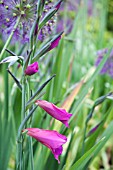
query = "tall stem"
x=9 y=39
x=19 y=141
x=23 y=99
x=30 y=139
x=84 y=137
x=31 y=154
x=6 y=93
x=19 y=137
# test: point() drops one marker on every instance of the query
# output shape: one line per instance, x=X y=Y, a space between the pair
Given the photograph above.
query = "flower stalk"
x=20 y=139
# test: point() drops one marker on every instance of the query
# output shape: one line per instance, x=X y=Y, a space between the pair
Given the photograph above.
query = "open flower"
x=32 y=69
x=50 y=138
x=58 y=113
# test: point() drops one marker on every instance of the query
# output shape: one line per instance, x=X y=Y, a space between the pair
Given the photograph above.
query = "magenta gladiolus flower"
x=58 y=5
x=54 y=43
x=50 y=138
x=58 y=113
x=32 y=69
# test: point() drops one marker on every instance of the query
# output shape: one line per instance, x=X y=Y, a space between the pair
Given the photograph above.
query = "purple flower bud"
x=58 y=113
x=32 y=69
x=57 y=6
x=94 y=129
x=54 y=43
x=50 y=138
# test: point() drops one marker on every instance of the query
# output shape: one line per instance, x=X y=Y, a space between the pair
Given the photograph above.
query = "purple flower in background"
x=108 y=66
x=11 y=10
x=32 y=69
x=50 y=138
x=49 y=27
x=58 y=113
x=71 y=7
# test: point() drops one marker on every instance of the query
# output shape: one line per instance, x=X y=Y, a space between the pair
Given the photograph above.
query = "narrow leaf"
x=88 y=85
x=46 y=47
x=15 y=79
x=48 y=16
x=27 y=59
x=80 y=164
x=69 y=100
x=10 y=52
x=29 y=103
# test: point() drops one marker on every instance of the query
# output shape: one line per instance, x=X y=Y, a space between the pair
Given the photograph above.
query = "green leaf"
x=46 y=47
x=33 y=98
x=88 y=85
x=80 y=164
x=48 y=16
x=16 y=80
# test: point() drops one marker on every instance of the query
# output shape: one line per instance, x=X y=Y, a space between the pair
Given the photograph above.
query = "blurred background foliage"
x=75 y=88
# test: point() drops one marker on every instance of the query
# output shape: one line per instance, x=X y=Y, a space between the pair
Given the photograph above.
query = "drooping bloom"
x=11 y=10
x=108 y=66
x=32 y=69
x=50 y=138
x=58 y=113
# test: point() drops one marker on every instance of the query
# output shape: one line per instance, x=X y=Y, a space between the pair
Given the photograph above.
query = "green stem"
x=6 y=94
x=23 y=124
x=19 y=140
x=23 y=98
x=86 y=123
x=31 y=153
x=30 y=139
x=84 y=137
x=9 y=39
x=20 y=159
x=19 y=155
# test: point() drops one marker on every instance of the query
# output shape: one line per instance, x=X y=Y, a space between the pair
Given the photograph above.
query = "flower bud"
x=32 y=69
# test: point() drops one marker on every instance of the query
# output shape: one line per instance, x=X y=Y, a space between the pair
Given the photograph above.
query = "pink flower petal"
x=58 y=113
x=50 y=138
